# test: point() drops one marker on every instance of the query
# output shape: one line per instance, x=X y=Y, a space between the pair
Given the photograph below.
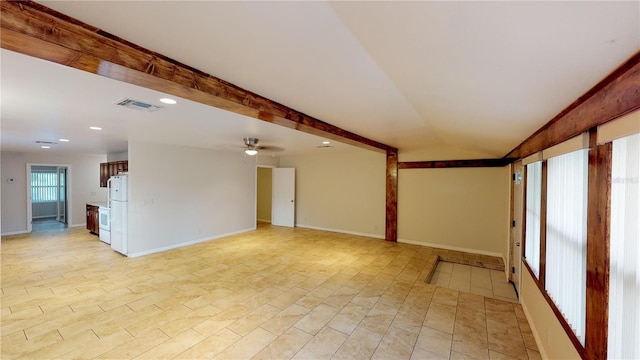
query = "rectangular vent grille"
x=138 y=105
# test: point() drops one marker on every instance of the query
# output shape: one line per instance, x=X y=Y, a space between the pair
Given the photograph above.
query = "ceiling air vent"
x=138 y=105
x=46 y=142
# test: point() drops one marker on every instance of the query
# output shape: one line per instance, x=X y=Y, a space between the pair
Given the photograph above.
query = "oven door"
x=104 y=221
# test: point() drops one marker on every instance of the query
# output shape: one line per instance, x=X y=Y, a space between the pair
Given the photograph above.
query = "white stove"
x=104 y=220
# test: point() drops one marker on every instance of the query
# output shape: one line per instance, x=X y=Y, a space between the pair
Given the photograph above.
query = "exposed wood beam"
x=391 y=225
x=598 y=248
x=35 y=30
x=441 y=164
x=616 y=95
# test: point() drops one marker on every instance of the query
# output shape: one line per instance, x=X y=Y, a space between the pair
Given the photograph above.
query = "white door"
x=283 y=206
x=516 y=229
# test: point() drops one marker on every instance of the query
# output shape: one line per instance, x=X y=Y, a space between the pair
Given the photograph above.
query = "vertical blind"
x=624 y=280
x=44 y=186
x=566 y=236
x=532 y=234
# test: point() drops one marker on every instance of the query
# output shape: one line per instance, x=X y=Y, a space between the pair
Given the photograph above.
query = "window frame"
x=597 y=277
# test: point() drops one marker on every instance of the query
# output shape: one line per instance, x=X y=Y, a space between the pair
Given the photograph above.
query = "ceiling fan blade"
x=270 y=148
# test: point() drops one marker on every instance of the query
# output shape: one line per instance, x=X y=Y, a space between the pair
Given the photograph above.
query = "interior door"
x=62 y=195
x=283 y=206
x=516 y=229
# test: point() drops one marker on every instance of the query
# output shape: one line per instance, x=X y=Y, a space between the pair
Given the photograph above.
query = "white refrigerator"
x=119 y=215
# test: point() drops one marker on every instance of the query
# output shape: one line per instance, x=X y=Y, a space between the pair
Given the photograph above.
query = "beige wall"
x=267 y=160
x=180 y=195
x=551 y=338
x=263 y=198
x=84 y=182
x=455 y=208
x=342 y=192
x=444 y=152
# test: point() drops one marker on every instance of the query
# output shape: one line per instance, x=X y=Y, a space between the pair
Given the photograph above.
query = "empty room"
x=320 y=180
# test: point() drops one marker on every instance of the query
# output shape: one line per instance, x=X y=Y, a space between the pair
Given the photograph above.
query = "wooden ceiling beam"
x=443 y=164
x=616 y=95
x=35 y=30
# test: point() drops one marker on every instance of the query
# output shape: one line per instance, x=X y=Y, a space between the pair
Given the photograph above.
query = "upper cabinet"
x=109 y=169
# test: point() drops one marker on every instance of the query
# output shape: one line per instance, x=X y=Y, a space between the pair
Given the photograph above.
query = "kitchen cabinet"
x=111 y=168
x=92 y=219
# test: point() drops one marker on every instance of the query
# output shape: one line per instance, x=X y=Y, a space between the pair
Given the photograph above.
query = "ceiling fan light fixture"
x=251 y=152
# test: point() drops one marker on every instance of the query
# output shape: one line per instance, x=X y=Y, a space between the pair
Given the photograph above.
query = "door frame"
x=516 y=232
x=60 y=170
x=69 y=200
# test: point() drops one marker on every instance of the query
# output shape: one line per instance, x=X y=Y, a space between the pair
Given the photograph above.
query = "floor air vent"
x=138 y=105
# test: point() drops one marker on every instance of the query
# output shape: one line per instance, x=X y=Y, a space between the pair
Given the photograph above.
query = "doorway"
x=275 y=196
x=263 y=194
x=47 y=197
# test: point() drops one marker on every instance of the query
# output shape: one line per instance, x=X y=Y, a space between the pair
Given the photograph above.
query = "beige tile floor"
x=274 y=293
x=476 y=280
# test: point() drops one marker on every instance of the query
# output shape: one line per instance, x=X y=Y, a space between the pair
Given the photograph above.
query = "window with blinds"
x=44 y=186
x=532 y=234
x=624 y=278
x=566 y=236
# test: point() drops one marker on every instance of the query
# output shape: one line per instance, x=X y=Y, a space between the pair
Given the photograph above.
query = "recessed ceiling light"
x=95 y=128
x=326 y=142
x=45 y=147
x=168 y=101
x=63 y=140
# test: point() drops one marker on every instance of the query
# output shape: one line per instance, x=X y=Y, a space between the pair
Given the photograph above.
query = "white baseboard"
x=78 y=225
x=340 y=231
x=187 y=243
x=534 y=331
x=44 y=217
x=448 y=247
x=14 y=233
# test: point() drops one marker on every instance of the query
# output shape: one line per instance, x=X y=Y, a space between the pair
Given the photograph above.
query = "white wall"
x=553 y=342
x=267 y=160
x=341 y=191
x=180 y=195
x=84 y=182
x=457 y=208
x=119 y=156
x=44 y=209
x=14 y=195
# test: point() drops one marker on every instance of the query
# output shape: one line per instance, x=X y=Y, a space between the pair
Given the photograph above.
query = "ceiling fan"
x=252 y=146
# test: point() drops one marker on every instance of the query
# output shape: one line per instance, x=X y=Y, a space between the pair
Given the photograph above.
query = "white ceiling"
x=43 y=101
x=479 y=76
